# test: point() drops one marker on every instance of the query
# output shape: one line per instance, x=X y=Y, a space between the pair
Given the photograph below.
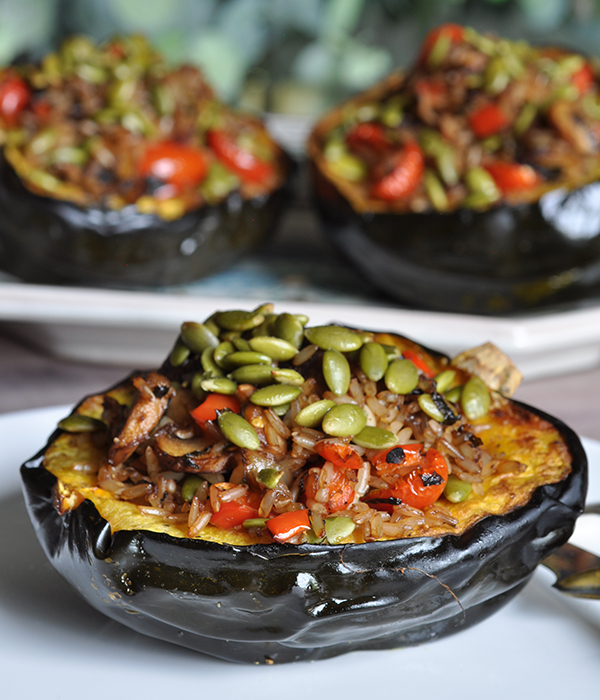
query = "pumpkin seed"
x=429 y=407
x=179 y=353
x=338 y=528
x=454 y=394
x=259 y=375
x=197 y=336
x=475 y=399
x=269 y=477
x=301 y=318
x=435 y=190
x=277 y=348
x=391 y=351
x=373 y=360
x=245 y=357
x=525 y=118
x=444 y=379
x=287 y=376
x=439 y=51
x=265 y=309
x=219 y=385
x=289 y=328
x=78 y=423
x=336 y=371
x=237 y=430
x=240 y=344
x=196 y=384
x=457 y=490
x=374 y=438
x=333 y=338
x=275 y=395
x=224 y=348
x=239 y=320
x=208 y=363
x=266 y=327
x=435 y=407
x=401 y=376
x=190 y=485
x=281 y=410
x=312 y=415
x=212 y=325
x=344 y=420
x=479 y=181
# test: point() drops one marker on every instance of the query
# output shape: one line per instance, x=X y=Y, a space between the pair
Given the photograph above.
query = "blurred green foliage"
x=292 y=56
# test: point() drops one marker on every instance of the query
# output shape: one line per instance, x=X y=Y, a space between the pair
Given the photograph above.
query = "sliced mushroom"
x=154 y=394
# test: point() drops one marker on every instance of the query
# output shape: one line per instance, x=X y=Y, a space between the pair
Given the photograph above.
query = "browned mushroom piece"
x=154 y=394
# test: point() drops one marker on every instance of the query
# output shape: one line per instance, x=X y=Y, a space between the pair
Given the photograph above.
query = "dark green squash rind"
x=45 y=240
x=283 y=603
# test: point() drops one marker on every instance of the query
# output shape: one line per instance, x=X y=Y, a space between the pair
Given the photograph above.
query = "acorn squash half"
x=468 y=183
x=241 y=595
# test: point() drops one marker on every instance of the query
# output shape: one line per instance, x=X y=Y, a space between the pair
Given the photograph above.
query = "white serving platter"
x=138 y=328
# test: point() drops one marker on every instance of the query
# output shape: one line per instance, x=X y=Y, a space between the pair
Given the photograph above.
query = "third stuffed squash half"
x=278 y=491
x=469 y=182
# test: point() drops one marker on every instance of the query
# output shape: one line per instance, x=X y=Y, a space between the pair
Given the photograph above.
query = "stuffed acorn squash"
x=469 y=183
x=119 y=170
x=278 y=491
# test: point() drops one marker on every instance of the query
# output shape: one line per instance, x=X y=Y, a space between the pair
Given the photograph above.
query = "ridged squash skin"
x=276 y=603
x=46 y=240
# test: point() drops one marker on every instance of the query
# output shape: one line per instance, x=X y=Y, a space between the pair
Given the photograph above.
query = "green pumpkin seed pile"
x=249 y=347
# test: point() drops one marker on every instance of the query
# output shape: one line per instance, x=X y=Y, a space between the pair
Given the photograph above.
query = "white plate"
x=53 y=645
x=138 y=329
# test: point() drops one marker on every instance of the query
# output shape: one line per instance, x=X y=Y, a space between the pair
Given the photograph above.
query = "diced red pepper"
x=14 y=97
x=419 y=363
x=454 y=32
x=583 y=79
x=405 y=176
x=242 y=161
x=287 y=525
x=418 y=489
x=339 y=454
x=233 y=513
x=174 y=163
x=207 y=410
x=487 y=121
x=513 y=177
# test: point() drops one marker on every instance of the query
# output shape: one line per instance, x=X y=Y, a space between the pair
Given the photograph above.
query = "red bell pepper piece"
x=242 y=161
x=233 y=513
x=174 y=163
x=487 y=121
x=287 y=525
x=405 y=176
x=14 y=97
x=419 y=363
x=207 y=410
x=513 y=177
